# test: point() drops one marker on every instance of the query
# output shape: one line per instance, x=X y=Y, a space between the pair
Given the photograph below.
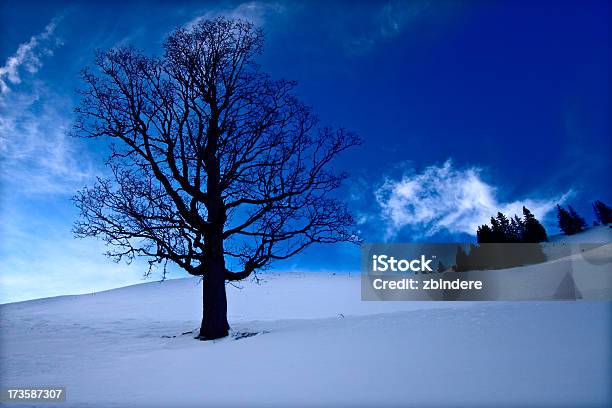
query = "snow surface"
x=599 y=234
x=320 y=345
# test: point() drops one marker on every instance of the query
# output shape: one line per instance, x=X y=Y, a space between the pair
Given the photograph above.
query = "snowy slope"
x=599 y=234
x=108 y=348
x=320 y=346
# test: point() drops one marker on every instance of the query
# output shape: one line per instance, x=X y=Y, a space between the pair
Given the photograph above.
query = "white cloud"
x=28 y=57
x=38 y=156
x=254 y=11
x=443 y=198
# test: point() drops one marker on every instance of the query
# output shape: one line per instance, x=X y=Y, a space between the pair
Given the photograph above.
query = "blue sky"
x=465 y=108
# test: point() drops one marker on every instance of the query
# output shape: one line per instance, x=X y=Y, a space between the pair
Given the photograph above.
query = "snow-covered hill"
x=319 y=345
x=598 y=234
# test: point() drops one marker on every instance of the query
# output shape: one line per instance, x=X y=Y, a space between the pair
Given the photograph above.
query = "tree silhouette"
x=492 y=251
x=483 y=234
x=578 y=222
x=517 y=229
x=564 y=220
x=603 y=213
x=513 y=230
x=505 y=230
x=214 y=165
x=533 y=230
x=569 y=221
x=461 y=260
x=497 y=231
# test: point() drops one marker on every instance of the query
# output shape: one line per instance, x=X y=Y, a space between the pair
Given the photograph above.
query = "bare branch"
x=211 y=157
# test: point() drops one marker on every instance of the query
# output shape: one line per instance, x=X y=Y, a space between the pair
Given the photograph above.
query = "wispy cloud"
x=390 y=20
x=444 y=198
x=38 y=155
x=41 y=166
x=396 y=14
x=254 y=11
x=28 y=56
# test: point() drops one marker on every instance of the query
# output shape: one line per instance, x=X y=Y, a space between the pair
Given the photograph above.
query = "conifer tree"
x=517 y=229
x=578 y=221
x=461 y=260
x=569 y=221
x=533 y=230
x=483 y=234
x=603 y=213
x=488 y=254
x=564 y=220
x=497 y=232
x=499 y=228
x=505 y=228
x=520 y=225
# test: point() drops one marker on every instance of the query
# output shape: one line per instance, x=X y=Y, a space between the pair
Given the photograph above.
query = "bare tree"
x=214 y=164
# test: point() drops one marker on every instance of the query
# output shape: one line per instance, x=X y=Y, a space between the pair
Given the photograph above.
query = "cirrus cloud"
x=38 y=156
x=446 y=199
x=254 y=11
x=28 y=56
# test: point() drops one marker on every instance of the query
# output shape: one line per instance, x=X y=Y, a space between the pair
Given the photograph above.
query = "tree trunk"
x=214 y=313
x=214 y=318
